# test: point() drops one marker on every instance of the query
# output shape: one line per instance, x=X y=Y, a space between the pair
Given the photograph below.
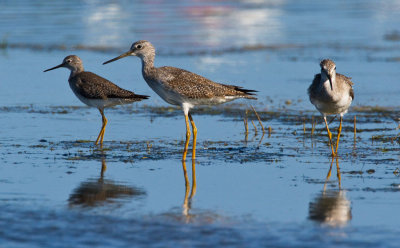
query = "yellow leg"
x=98 y=137
x=185 y=152
x=187 y=138
x=330 y=136
x=194 y=129
x=339 y=132
x=103 y=128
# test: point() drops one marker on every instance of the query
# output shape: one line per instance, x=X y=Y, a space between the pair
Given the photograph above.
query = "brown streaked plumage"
x=94 y=90
x=193 y=86
x=179 y=87
x=331 y=93
x=182 y=88
x=92 y=86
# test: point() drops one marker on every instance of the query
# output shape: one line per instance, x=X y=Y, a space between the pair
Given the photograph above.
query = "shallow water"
x=57 y=189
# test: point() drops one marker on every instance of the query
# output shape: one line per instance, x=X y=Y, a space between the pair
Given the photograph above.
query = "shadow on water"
x=331 y=207
x=100 y=191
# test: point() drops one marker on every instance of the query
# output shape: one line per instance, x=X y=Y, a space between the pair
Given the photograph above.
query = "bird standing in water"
x=180 y=87
x=95 y=91
x=332 y=94
x=183 y=88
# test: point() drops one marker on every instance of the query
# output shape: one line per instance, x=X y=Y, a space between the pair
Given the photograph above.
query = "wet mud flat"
x=285 y=133
x=61 y=184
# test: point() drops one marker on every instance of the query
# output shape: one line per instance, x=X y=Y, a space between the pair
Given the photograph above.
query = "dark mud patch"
x=136 y=151
x=392 y=36
x=392 y=188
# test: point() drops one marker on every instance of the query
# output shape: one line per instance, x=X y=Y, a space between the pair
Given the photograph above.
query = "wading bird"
x=332 y=94
x=182 y=88
x=95 y=91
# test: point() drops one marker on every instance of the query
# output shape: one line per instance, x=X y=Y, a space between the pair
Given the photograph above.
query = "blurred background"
x=264 y=45
x=201 y=26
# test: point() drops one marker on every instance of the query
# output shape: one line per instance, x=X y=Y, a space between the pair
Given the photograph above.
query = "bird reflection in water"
x=331 y=207
x=189 y=215
x=187 y=202
x=98 y=192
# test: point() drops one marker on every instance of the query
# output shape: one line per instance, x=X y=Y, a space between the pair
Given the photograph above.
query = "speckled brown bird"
x=182 y=88
x=332 y=94
x=95 y=91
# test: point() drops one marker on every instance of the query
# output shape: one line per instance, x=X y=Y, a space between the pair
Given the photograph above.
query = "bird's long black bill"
x=55 y=67
x=119 y=57
x=330 y=82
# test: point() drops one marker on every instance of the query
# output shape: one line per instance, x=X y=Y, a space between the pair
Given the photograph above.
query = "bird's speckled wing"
x=195 y=86
x=92 y=86
x=313 y=89
x=348 y=81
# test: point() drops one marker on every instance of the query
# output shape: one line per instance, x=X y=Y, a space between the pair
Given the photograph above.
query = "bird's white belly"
x=169 y=96
x=333 y=108
x=208 y=101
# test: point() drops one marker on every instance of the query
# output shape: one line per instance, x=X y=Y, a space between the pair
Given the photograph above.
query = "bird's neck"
x=147 y=64
x=325 y=81
x=75 y=71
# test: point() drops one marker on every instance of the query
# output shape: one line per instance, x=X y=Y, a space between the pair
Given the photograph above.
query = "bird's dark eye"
x=69 y=61
x=139 y=46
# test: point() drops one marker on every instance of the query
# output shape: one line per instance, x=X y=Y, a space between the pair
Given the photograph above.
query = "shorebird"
x=95 y=91
x=332 y=94
x=185 y=89
x=182 y=88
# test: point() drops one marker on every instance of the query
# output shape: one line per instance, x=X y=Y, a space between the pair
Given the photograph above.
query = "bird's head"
x=328 y=68
x=72 y=62
x=142 y=49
